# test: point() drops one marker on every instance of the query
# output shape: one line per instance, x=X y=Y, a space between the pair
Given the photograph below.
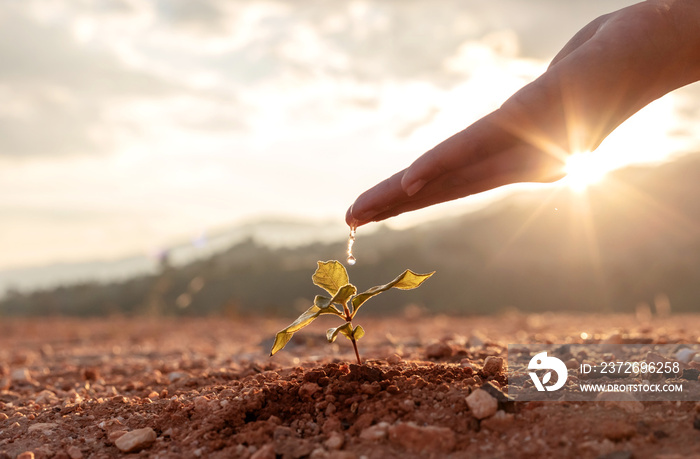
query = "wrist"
x=683 y=17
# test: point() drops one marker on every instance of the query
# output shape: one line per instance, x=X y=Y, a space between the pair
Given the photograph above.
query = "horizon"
x=135 y=126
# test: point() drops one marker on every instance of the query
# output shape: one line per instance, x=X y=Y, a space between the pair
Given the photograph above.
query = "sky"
x=130 y=125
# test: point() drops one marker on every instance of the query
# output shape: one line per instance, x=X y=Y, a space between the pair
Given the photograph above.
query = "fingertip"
x=351 y=219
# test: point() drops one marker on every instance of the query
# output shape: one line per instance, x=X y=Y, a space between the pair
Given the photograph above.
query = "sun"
x=584 y=169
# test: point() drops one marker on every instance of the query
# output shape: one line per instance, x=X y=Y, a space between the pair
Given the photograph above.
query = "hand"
x=609 y=70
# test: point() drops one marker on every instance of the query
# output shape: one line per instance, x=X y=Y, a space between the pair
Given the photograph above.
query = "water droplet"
x=351 y=240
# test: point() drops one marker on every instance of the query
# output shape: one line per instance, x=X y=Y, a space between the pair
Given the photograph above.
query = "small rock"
x=201 y=404
x=492 y=365
x=394 y=359
x=335 y=441
x=482 y=404
x=376 y=432
x=26 y=455
x=393 y=389
x=90 y=374
x=74 y=452
x=476 y=340
x=685 y=355
x=495 y=392
x=499 y=422
x=115 y=434
x=422 y=440
x=42 y=426
x=615 y=338
x=571 y=363
x=307 y=390
x=438 y=350
x=136 y=440
x=371 y=389
x=176 y=375
x=21 y=375
x=46 y=397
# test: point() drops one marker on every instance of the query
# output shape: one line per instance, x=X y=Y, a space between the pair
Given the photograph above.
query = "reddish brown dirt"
x=206 y=388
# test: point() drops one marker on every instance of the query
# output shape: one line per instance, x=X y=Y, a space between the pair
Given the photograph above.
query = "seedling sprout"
x=344 y=302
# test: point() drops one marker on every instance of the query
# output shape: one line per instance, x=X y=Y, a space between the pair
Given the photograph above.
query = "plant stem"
x=357 y=354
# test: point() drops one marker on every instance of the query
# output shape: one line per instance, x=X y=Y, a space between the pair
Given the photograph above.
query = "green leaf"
x=344 y=294
x=321 y=306
x=405 y=281
x=345 y=329
x=358 y=332
x=330 y=276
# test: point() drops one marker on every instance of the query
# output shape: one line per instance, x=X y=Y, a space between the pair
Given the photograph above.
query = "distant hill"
x=631 y=238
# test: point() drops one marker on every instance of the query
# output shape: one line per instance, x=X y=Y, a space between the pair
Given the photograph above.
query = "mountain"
x=633 y=238
x=276 y=232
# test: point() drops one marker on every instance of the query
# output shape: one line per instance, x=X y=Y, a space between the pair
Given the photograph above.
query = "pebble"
x=307 y=390
x=376 y=432
x=476 y=340
x=175 y=375
x=492 y=365
x=499 y=422
x=201 y=404
x=46 y=397
x=335 y=441
x=74 y=452
x=438 y=350
x=26 y=455
x=685 y=355
x=42 y=426
x=482 y=404
x=416 y=439
x=394 y=359
x=136 y=440
x=116 y=434
x=21 y=375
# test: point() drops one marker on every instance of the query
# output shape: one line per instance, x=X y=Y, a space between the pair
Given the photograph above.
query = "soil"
x=206 y=387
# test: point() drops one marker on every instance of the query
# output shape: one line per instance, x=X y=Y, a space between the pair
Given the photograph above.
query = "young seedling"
x=344 y=303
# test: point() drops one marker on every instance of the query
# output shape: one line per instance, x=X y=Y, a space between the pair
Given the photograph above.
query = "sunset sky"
x=129 y=125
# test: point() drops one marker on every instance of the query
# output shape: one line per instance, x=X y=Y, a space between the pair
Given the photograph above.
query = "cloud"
x=69 y=66
x=59 y=90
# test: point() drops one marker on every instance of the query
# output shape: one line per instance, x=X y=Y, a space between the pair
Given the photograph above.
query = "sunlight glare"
x=582 y=170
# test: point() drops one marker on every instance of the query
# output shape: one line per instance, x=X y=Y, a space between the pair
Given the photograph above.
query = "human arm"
x=609 y=70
